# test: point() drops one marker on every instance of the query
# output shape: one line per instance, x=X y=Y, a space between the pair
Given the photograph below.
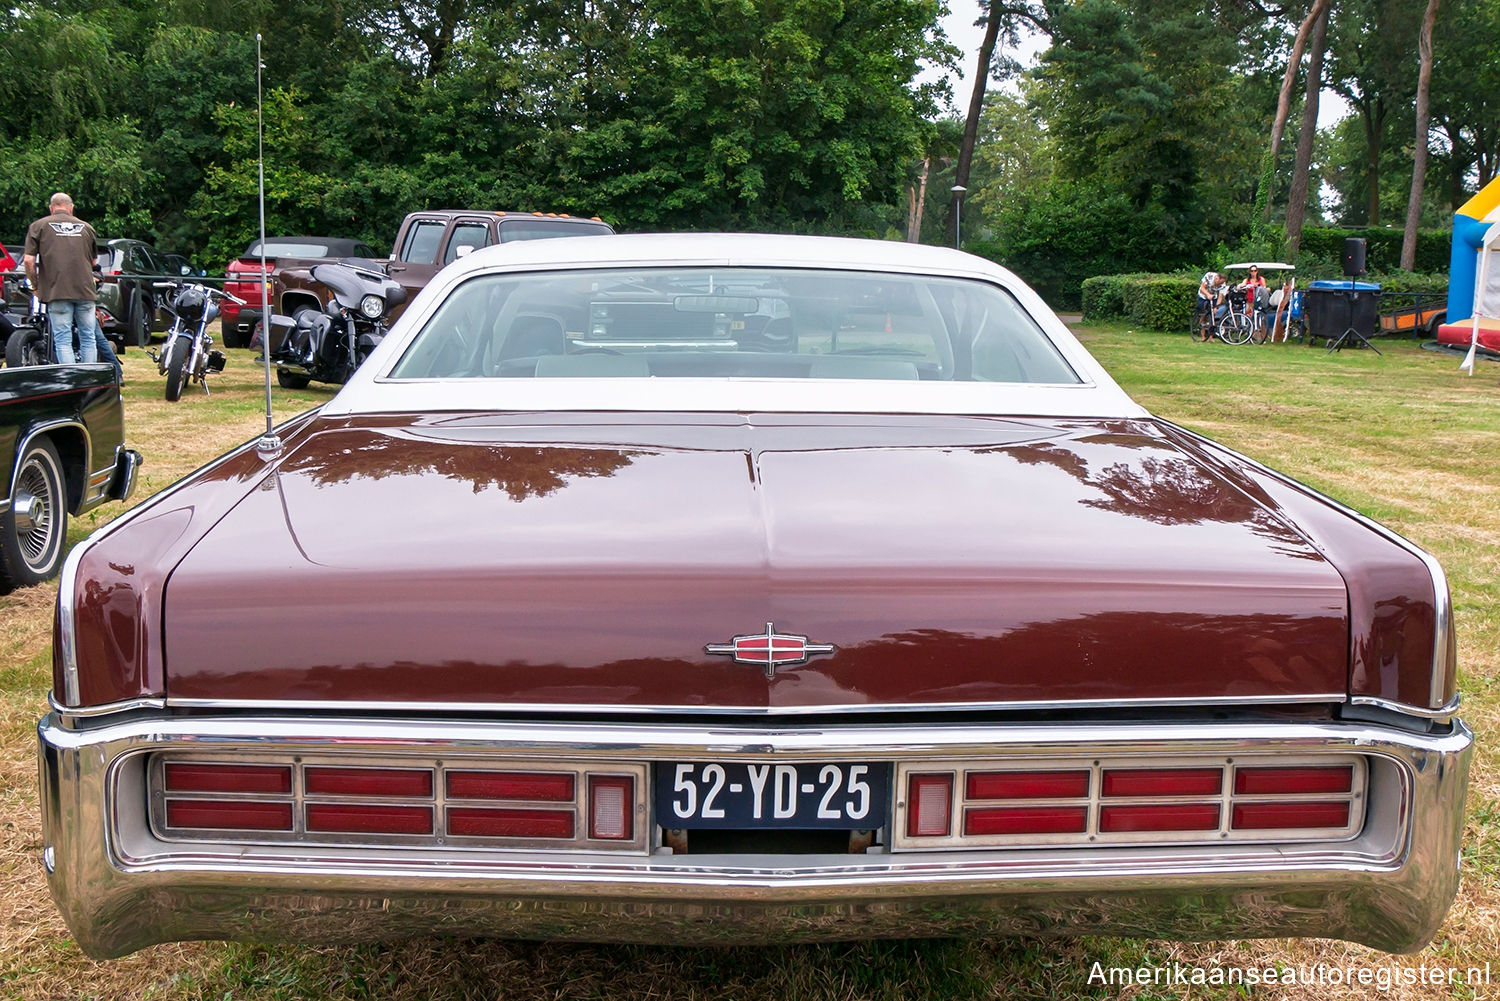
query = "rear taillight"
x=222 y=797
x=1159 y=817
x=1026 y=785
x=220 y=815
x=1026 y=820
x=552 y=787
x=483 y=823
x=433 y=804
x=1163 y=781
x=227 y=778
x=364 y=818
x=929 y=801
x=611 y=807
x=1289 y=816
x=1098 y=802
x=1282 y=781
x=407 y=783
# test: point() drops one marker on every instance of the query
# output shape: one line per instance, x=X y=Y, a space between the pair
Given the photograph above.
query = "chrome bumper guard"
x=122 y=483
x=121 y=887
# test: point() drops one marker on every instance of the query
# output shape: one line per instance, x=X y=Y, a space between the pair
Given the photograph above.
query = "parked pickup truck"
x=62 y=452
x=243 y=275
x=427 y=241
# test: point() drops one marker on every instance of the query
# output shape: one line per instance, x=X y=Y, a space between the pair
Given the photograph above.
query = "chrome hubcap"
x=35 y=520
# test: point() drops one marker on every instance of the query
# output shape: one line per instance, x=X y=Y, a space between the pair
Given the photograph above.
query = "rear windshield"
x=279 y=248
x=525 y=229
x=732 y=322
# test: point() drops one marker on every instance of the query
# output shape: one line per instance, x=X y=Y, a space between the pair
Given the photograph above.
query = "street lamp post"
x=958 y=216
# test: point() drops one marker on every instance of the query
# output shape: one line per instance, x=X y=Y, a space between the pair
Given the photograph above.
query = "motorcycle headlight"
x=372 y=306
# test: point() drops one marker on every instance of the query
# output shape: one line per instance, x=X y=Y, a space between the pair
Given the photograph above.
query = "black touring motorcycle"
x=330 y=345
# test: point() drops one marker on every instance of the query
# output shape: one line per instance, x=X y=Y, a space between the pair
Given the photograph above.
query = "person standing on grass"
x=59 y=261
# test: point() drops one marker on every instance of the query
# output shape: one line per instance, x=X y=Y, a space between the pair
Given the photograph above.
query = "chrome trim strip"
x=68 y=580
x=615 y=709
x=107 y=709
x=121 y=888
x=1443 y=713
x=4 y=504
x=1442 y=598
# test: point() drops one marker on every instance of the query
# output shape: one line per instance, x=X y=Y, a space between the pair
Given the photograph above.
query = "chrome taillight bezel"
x=1093 y=802
x=440 y=802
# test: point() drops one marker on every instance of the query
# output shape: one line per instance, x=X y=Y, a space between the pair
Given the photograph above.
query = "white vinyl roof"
x=370 y=391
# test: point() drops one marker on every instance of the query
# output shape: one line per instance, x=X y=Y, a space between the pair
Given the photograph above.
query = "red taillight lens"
x=1026 y=785
x=611 y=807
x=485 y=823
x=1163 y=781
x=1159 y=817
x=551 y=787
x=929 y=806
x=233 y=816
x=1289 y=816
x=1026 y=820
x=358 y=818
x=322 y=781
x=1286 y=781
x=185 y=777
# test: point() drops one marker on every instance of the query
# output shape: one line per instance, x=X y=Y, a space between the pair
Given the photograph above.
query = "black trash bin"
x=1336 y=306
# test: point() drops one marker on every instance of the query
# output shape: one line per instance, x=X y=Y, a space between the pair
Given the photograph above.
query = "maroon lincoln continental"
x=746 y=589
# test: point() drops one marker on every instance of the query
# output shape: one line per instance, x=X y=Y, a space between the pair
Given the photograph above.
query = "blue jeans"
x=64 y=315
x=106 y=350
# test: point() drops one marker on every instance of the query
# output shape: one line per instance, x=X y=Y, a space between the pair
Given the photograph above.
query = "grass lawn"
x=1404 y=437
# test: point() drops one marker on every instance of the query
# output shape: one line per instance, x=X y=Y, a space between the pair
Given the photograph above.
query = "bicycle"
x=1228 y=321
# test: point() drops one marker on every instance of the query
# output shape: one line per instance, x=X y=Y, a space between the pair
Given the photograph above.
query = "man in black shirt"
x=63 y=245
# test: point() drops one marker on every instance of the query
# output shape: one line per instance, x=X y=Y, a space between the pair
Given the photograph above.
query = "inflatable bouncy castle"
x=1474 y=273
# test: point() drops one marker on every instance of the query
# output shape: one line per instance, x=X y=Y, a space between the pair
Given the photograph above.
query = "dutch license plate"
x=737 y=795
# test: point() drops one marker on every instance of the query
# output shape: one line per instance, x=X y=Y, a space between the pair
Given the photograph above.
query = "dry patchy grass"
x=1404 y=437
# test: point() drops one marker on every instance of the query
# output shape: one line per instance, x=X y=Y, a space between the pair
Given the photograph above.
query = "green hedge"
x=1165 y=302
x=1382 y=247
x=1154 y=302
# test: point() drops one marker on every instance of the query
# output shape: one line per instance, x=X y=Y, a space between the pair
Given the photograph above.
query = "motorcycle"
x=329 y=345
x=188 y=354
x=30 y=340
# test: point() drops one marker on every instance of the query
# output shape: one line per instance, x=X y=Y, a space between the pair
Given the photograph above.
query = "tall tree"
x=1419 y=153
x=1296 y=206
x=1369 y=67
x=1288 y=87
x=1000 y=15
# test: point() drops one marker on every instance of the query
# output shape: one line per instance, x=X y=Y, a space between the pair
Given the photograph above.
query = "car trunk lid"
x=948 y=562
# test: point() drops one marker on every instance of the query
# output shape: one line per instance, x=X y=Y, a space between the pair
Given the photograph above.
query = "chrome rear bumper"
x=122 y=888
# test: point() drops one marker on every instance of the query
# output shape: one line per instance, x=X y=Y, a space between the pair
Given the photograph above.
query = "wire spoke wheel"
x=33 y=531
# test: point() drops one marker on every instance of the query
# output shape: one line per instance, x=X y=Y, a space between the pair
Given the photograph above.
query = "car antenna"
x=269 y=443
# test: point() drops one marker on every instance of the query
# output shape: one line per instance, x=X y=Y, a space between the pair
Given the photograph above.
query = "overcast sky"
x=966 y=34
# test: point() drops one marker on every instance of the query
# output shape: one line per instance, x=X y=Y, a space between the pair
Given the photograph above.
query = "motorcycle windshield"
x=349 y=285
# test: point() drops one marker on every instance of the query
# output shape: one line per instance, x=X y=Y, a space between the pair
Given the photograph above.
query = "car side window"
x=466 y=234
x=422 y=242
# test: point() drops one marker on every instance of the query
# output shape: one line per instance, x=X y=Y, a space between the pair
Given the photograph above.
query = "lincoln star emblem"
x=769 y=648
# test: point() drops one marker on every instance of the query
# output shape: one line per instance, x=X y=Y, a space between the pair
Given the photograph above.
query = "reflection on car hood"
x=587 y=563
